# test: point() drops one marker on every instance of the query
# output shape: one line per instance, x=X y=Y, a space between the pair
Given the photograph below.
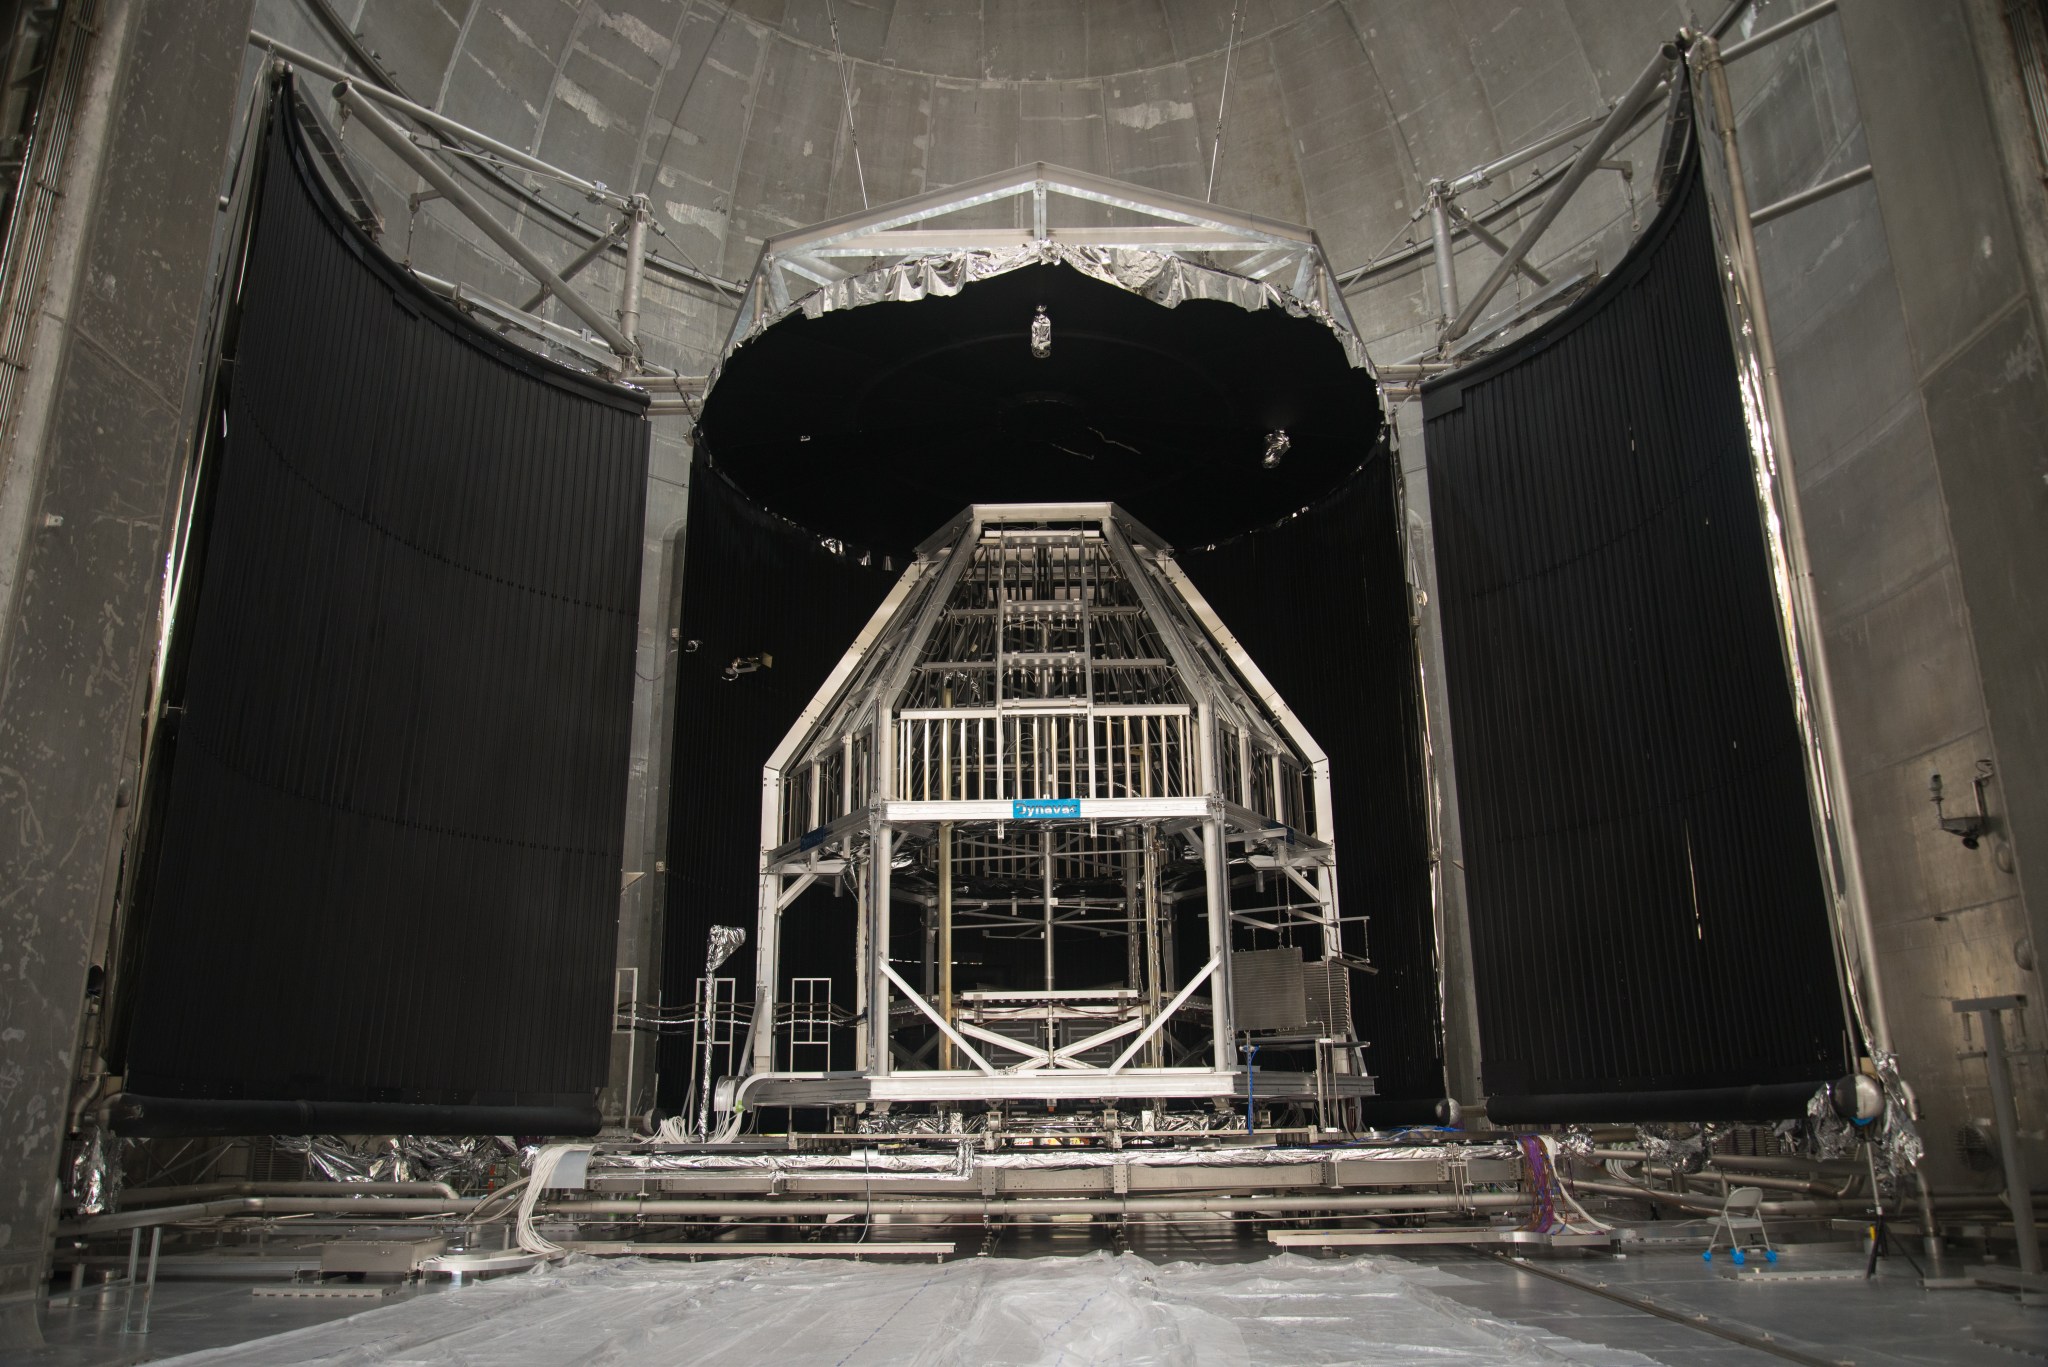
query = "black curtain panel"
x=754 y=585
x=381 y=888
x=1321 y=602
x=1649 y=927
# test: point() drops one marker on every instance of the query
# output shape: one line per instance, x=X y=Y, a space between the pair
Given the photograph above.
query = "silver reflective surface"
x=1161 y=277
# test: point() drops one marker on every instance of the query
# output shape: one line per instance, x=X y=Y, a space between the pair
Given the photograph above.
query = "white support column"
x=1214 y=853
x=883 y=845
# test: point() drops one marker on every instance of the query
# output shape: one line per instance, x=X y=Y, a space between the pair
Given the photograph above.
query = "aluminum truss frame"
x=1285 y=256
x=1046 y=731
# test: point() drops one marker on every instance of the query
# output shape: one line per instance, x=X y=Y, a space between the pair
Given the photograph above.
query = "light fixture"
x=1277 y=443
x=1968 y=828
x=1041 y=334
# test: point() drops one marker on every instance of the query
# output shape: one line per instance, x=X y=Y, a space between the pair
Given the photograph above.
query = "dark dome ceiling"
x=877 y=424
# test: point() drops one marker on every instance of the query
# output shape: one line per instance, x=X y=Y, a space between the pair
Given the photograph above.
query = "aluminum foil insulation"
x=725 y=940
x=93 y=1184
x=1158 y=276
x=468 y=1163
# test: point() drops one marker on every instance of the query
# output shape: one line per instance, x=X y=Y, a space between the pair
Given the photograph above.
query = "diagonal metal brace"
x=436 y=175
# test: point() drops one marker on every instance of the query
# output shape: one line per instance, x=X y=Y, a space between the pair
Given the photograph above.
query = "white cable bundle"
x=538 y=1181
x=1557 y=1173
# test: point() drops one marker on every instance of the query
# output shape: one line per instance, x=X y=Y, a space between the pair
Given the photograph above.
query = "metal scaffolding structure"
x=1045 y=734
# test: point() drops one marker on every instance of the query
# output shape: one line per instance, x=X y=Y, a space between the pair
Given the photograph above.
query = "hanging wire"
x=1229 y=51
x=846 y=88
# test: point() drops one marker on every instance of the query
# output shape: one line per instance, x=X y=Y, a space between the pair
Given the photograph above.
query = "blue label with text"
x=1039 y=809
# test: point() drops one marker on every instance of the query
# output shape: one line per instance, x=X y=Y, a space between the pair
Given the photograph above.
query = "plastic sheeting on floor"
x=798 y=1312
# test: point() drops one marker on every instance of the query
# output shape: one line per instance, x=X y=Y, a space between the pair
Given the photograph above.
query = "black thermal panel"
x=754 y=584
x=1320 y=602
x=383 y=894
x=1649 y=928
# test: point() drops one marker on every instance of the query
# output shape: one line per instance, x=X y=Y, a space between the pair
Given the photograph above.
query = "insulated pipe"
x=368 y=1206
x=996 y=1206
x=451 y=190
x=1583 y=166
x=200 y=1191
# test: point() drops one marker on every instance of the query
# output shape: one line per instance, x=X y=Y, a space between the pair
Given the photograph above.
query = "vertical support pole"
x=1213 y=851
x=134 y=1259
x=636 y=267
x=1155 y=974
x=878 y=953
x=1045 y=895
x=156 y=1244
x=1134 y=939
x=945 y=945
x=1446 y=264
x=863 y=976
x=1827 y=771
x=945 y=937
x=2019 y=1187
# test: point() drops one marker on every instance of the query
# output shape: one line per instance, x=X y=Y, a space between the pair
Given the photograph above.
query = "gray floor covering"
x=1227 y=1304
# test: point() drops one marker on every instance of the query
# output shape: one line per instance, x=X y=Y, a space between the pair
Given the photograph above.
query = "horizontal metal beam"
x=1846 y=180
x=1092 y=809
x=1784 y=27
x=925 y=241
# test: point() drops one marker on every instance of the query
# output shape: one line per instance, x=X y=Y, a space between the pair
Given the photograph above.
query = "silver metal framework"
x=1044 y=733
x=810 y=262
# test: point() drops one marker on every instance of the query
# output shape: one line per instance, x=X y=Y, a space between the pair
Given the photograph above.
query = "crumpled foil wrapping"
x=1577 y=1141
x=1828 y=1135
x=1894 y=1140
x=1161 y=277
x=468 y=1163
x=724 y=940
x=95 y=1179
x=1672 y=1147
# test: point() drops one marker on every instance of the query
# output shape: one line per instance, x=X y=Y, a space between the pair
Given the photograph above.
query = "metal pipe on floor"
x=201 y=1191
x=993 y=1206
x=368 y=1206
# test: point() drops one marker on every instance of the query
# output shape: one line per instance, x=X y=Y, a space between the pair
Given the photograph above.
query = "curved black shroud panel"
x=381 y=886
x=879 y=423
x=1650 y=933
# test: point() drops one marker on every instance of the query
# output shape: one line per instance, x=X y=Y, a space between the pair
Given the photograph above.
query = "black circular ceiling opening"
x=877 y=424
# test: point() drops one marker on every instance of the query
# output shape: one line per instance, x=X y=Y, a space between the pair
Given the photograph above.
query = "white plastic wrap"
x=795 y=1312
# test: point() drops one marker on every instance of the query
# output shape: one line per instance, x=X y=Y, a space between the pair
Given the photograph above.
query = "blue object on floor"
x=1739 y=1259
x=1770 y=1255
x=1708 y=1256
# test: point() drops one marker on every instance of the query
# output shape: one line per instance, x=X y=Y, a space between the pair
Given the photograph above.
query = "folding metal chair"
x=1742 y=1210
